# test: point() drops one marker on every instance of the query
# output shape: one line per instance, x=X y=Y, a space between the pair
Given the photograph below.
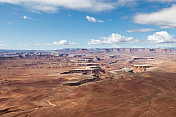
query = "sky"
x=57 y=24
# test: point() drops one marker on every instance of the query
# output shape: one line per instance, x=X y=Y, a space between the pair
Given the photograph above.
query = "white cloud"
x=82 y=5
x=117 y=38
x=55 y=43
x=92 y=19
x=62 y=42
x=26 y=17
x=141 y=30
x=130 y=1
x=54 y=5
x=113 y=39
x=164 y=18
x=161 y=37
x=161 y=0
x=94 y=42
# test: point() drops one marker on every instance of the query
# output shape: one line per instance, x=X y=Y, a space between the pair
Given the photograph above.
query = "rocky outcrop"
x=95 y=78
x=140 y=68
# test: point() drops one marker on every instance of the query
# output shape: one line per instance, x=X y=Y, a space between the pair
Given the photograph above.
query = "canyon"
x=88 y=83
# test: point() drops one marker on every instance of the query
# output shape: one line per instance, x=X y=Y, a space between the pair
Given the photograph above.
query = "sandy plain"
x=31 y=88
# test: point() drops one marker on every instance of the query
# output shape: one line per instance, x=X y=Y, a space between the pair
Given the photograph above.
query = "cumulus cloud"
x=117 y=38
x=26 y=17
x=56 y=43
x=92 y=19
x=62 y=42
x=113 y=39
x=54 y=5
x=161 y=37
x=141 y=30
x=164 y=18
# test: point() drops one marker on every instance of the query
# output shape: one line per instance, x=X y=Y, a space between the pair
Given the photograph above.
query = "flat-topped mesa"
x=141 y=68
x=82 y=60
x=86 y=64
x=82 y=51
x=92 y=74
x=85 y=70
x=143 y=58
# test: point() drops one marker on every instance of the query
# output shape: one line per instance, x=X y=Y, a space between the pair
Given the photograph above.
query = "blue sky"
x=56 y=24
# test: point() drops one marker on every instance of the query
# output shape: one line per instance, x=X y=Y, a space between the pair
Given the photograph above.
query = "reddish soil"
x=36 y=92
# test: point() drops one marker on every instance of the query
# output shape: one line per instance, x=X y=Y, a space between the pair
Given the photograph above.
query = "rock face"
x=140 y=68
x=85 y=70
x=95 y=78
x=94 y=73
